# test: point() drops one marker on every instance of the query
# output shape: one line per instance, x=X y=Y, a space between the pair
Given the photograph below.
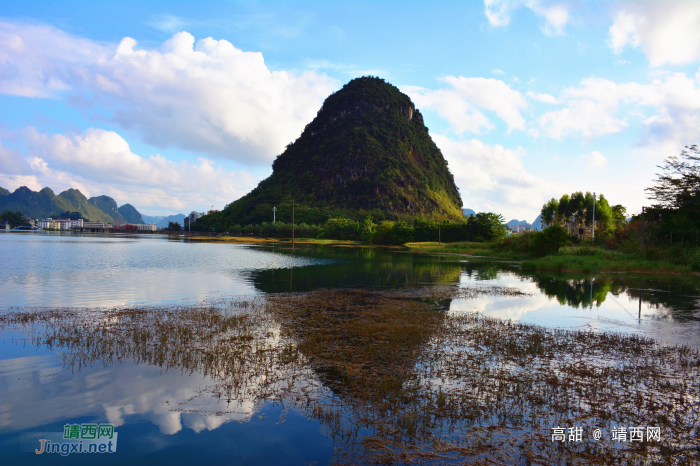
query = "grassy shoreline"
x=573 y=259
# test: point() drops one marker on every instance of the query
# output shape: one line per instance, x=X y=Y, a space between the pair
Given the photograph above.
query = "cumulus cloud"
x=12 y=162
x=591 y=110
x=101 y=162
x=492 y=178
x=667 y=31
x=204 y=96
x=595 y=160
x=458 y=103
x=555 y=14
x=546 y=98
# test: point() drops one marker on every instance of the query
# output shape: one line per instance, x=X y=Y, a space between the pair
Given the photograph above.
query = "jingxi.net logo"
x=76 y=438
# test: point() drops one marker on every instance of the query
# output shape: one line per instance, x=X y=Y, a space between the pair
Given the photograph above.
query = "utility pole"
x=292 y=226
x=593 y=231
x=274 y=211
x=643 y=228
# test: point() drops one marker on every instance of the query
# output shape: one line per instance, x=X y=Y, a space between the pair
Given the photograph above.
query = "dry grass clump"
x=397 y=380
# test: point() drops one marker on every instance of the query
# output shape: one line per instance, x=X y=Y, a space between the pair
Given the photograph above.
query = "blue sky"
x=178 y=106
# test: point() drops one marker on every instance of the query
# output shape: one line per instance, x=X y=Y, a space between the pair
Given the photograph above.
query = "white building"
x=146 y=227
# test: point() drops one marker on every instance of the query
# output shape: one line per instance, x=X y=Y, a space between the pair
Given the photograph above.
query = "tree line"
x=575 y=212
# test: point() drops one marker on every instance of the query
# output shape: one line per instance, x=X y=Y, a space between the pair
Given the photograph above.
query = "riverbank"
x=569 y=259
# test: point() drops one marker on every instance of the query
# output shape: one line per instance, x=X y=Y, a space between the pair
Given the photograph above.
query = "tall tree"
x=549 y=212
x=679 y=180
x=16 y=218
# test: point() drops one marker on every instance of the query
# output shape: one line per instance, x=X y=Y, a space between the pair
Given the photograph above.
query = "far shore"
x=614 y=263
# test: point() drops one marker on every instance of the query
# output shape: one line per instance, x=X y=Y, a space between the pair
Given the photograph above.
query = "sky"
x=176 y=106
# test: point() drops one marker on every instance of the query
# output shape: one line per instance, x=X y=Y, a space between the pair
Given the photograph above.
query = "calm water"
x=38 y=393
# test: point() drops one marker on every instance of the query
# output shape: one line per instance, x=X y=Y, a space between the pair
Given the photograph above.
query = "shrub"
x=340 y=228
x=393 y=233
x=549 y=240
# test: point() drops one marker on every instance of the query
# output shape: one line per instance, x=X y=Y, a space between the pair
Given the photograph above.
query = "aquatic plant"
x=398 y=380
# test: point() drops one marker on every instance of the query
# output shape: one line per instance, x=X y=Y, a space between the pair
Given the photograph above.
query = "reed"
x=398 y=380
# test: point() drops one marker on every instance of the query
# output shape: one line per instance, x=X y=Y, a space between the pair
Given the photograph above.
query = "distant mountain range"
x=162 y=222
x=45 y=203
x=536 y=225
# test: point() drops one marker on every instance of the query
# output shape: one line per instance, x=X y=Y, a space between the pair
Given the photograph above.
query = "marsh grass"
x=398 y=380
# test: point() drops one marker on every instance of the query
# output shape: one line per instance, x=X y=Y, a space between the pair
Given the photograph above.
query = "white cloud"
x=492 y=178
x=12 y=162
x=591 y=110
x=497 y=71
x=595 y=160
x=546 y=98
x=458 y=103
x=101 y=162
x=667 y=32
x=167 y=23
x=498 y=11
x=555 y=14
x=205 y=96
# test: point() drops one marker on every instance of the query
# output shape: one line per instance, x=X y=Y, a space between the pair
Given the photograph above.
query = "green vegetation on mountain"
x=130 y=214
x=4 y=192
x=45 y=203
x=107 y=205
x=366 y=152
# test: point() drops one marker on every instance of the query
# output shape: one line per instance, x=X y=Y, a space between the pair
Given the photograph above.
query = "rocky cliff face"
x=367 y=151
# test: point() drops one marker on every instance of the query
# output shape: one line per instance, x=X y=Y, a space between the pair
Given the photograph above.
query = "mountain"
x=468 y=212
x=130 y=214
x=107 y=205
x=4 y=192
x=178 y=218
x=152 y=218
x=521 y=223
x=366 y=152
x=537 y=224
x=45 y=204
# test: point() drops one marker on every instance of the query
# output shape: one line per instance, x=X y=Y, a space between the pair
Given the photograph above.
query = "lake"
x=161 y=414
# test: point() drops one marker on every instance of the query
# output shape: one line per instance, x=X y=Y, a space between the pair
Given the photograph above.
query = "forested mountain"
x=107 y=205
x=45 y=204
x=366 y=152
x=130 y=214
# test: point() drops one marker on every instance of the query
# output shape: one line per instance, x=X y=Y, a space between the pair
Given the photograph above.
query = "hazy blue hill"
x=164 y=221
x=130 y=214
x=367 y=151
x=4 y=192
x=107 y=205
x=152 y=218
x=537 y=224
x=523 y=223
x=468 y=212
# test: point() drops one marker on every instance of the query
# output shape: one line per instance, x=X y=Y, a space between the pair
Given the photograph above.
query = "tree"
x=15 y=218
x=549 y=212
x=174 y=226
x=679 y=182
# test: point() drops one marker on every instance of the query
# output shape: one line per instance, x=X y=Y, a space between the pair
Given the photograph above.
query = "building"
x=146 y=227
x=5 y=225
x=192 y=218
x=93 y=224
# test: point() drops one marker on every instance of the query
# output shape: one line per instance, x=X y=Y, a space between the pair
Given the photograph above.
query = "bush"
x=393 y=233
x=549 y=241
x=340 y=228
